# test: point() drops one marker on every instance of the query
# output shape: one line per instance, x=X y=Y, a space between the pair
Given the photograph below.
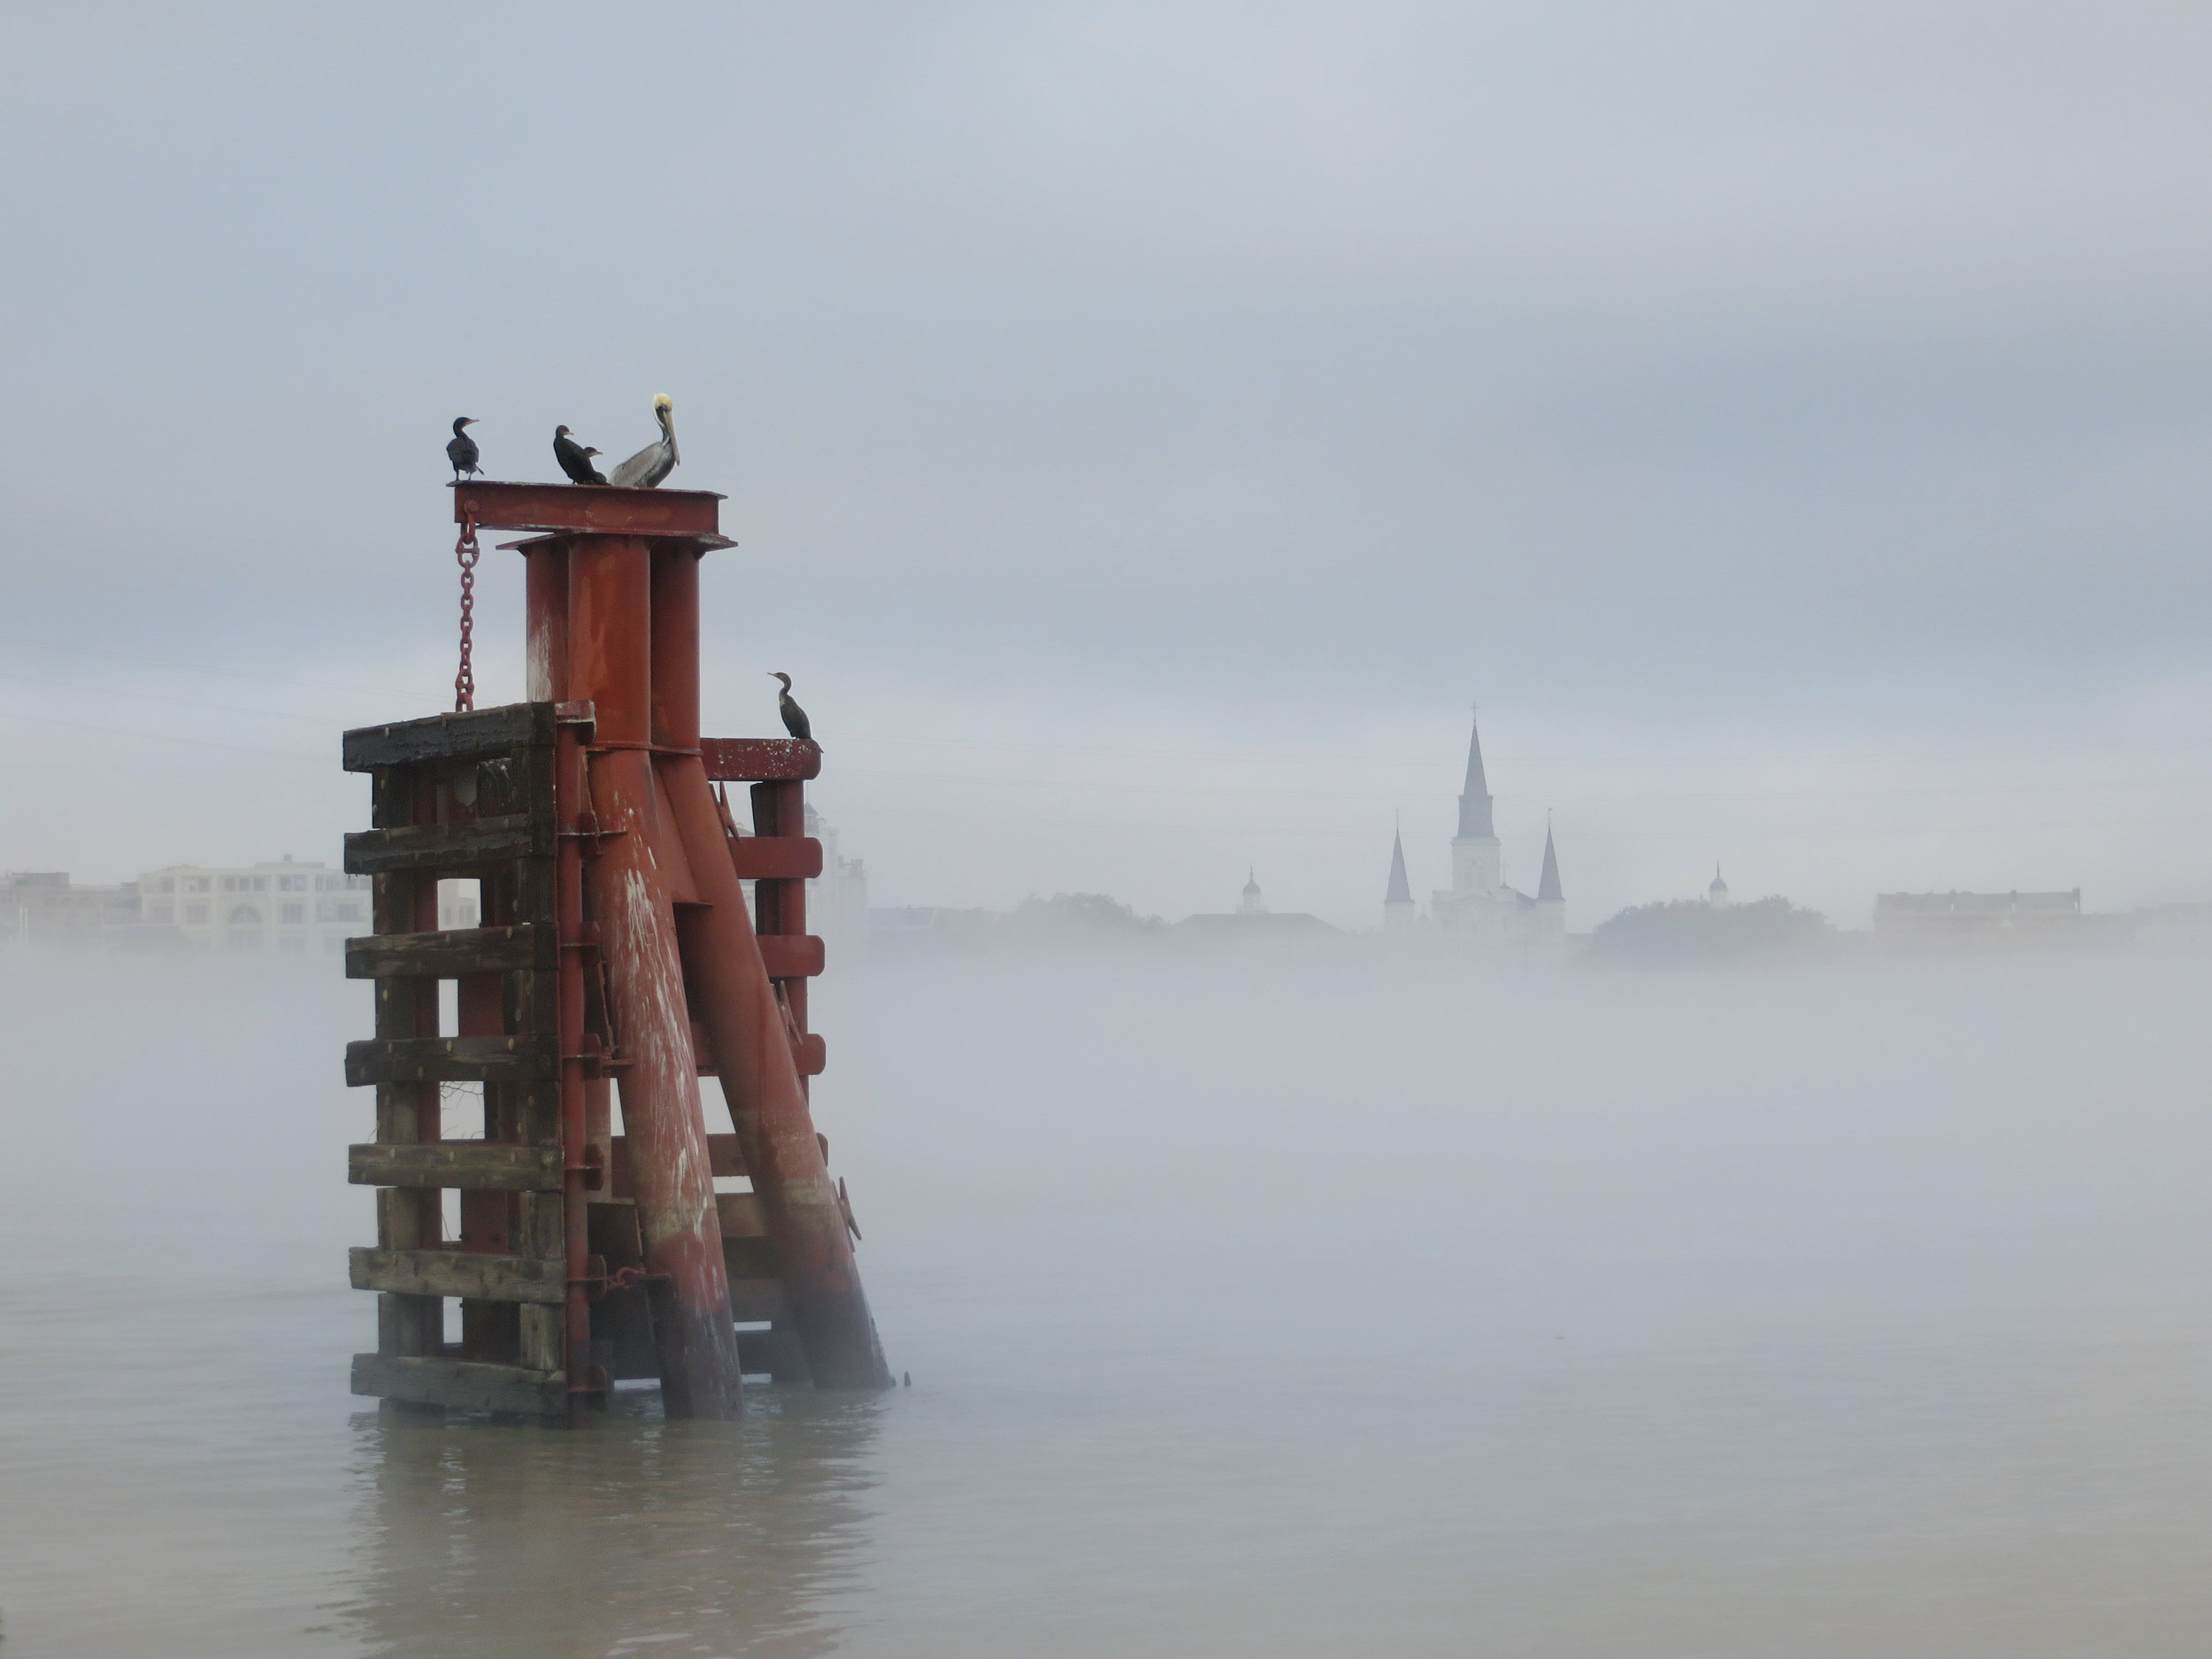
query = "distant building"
x=1990 y=921
x=1717 y=895
x=1251 y=921
x=1478 y=905
x=836 y=900
x=43 y=907
x=292 y=908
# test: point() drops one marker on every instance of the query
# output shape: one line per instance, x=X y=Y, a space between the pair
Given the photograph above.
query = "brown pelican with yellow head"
x=649 y=465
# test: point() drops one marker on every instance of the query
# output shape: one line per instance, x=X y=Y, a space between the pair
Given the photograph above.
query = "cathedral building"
x=1478 y=905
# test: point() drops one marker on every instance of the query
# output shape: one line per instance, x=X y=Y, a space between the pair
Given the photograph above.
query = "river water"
x=1279 y=1308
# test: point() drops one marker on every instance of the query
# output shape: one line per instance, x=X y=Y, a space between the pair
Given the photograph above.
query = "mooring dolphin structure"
x=615 y=960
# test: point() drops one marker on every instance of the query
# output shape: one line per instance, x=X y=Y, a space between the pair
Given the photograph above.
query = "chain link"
x=466 y=553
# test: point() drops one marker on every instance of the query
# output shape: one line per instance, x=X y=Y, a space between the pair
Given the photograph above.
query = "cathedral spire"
x=1400 y=890
x=1474 y=799
x=1549 y=888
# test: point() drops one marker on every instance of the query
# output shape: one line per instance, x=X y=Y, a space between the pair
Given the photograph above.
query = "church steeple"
x=1398 y=911
x=1400 y=890
x=1549 y=888
x=1474 y=798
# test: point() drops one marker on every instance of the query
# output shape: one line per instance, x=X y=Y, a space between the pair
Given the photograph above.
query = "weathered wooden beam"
x=446 y=848
x=777 y=858
x=450 y=736
x=760 y=759
x=479 y=1274
x=464 y=1385
x=453 y=954
x=452 y=1060
x=474 y=1165
x=791 y=956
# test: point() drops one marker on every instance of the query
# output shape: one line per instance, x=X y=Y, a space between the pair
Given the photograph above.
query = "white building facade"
x=294 y=908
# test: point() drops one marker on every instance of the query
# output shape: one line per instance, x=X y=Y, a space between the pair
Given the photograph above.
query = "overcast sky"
x=1149 y=429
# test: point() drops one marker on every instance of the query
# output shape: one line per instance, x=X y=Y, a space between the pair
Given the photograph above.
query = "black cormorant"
x=462 y=451
x=656 y=461
x=795 y=720
x=575 y=459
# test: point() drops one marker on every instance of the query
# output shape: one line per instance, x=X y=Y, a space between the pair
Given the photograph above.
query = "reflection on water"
x=478 y=1541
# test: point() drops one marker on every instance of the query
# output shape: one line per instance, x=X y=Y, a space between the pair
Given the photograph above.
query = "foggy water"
x=1322 y=1308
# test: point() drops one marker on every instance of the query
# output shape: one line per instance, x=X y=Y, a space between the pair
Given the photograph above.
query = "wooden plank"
x=464 y=1385
x=476 y=1165
x=451 y=955
x=791 y=956
x=724 y=1158
x=448 y=737
x=539 y=1341
x=447 y=847
x=777 y=858
x=476 y=1273
x=452 y=1060
x=760 y=759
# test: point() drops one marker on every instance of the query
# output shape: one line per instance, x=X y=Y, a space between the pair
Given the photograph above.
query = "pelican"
x=649 y=465
x=795 y=720
x=462 y=451
x=575 y=459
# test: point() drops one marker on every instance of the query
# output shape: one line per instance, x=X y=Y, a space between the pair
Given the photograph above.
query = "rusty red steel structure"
x=617 y=953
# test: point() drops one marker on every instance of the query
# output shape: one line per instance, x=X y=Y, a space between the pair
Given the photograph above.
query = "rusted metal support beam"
x=760 y=759
x=494 y=505
x=746 y=1031
x=629 y=903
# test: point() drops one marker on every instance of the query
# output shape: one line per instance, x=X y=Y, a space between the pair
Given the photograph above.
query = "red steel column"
x=545 y=600
x=744 y=1024
x=609 y=617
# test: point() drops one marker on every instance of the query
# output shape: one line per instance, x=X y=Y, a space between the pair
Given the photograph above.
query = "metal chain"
x=466 y=553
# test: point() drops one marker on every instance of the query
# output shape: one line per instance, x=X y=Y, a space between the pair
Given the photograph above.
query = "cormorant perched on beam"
x=795 y=720
x=575 y=459
x=462 y=451
x=656 y=461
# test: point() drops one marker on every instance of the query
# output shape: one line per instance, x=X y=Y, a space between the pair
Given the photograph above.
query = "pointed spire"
x=1474 y=799
x=1400 y=890
x=1549 y=888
